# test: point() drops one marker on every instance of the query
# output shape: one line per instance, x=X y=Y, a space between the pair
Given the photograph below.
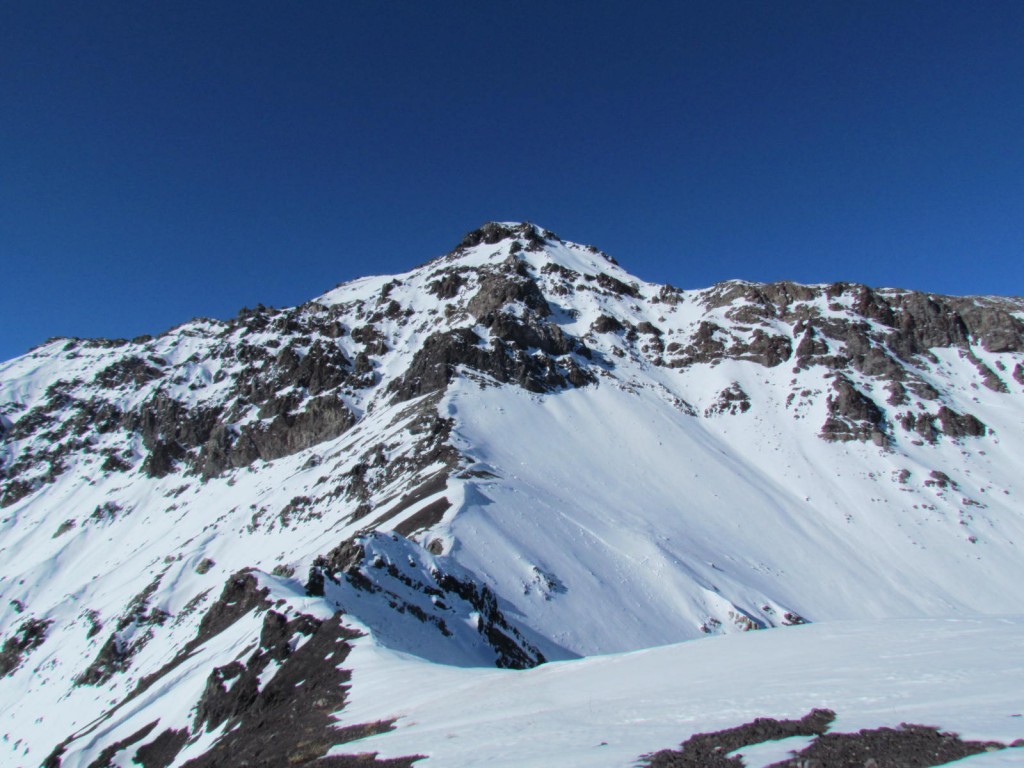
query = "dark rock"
x=436 y=362
x=323 y=418
x=322 y=368
x=811 y=348
x=219 y=701
x=126 y=641
x=427 y=517
x=530 y=334
x=106 y=512
x=922 y=389
x=922 y=322
x=240 y=595
x=29 y=636
x=114 y=657
x=128 y=371
x=960 y=424
x=875 y=362
x=163 y=458
x=299 y=701
x=731 y=400
x=992 y=324
x=14 y=491
x=493 y=233
x=161 y=751
x=941 y=480
x=168 y=428
x=513 y=650
x=606 y=324
x=343 y=560
x=615 y=286
x=909 y=746
x=112 y=462
x=500 y=288
x=764 y=348
x=853 y=415
x=710 y=750
x=924 y=425
x=448 y=286
x=490 y=233
x=705 y=346
x=897 y=394
x=670 y=295
x=106 y=756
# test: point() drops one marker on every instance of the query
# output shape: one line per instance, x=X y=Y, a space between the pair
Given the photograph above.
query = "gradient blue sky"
x=164 y=160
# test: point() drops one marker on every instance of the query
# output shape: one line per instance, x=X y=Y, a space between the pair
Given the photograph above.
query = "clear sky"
x=165 y=160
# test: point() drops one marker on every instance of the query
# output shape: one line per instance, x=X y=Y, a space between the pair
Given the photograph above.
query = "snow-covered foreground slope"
x=964 y=676
x=517 y=452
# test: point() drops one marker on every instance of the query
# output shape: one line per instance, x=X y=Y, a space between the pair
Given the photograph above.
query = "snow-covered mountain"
x=515 y=453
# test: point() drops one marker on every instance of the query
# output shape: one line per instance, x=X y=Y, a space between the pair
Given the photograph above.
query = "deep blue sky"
x=160 y=161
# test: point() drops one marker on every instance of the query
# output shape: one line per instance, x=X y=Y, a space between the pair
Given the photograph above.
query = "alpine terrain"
x=498 y=510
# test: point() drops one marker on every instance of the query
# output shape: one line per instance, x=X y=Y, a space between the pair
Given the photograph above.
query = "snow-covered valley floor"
x=962 y=675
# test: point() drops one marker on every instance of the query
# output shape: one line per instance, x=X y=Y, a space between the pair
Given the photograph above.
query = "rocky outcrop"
x=493 y=233
x=322 y=418
x=908 y=745
x=852 y=415
x=960 y=424
x=711 y=750
x=442 y=600
x=437 y=361
x=731 y=400
x=511 y=283
x=29 y=636
x=290 y=677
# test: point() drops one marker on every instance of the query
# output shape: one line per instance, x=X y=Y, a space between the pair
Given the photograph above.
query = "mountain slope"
x=517 y=452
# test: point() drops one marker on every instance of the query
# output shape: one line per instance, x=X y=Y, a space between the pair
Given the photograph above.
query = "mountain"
x=514 y=454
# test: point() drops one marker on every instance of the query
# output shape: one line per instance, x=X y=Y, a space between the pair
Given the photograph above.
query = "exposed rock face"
x=510 y=283
x=323 y=418
x=444 y=602
x=277 y=704
x=440 y=357
x=853 y=415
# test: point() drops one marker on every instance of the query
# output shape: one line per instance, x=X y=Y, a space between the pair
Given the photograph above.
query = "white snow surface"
x=965 y=676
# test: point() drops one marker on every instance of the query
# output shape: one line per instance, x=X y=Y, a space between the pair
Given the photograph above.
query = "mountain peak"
x=494 y=232
x=523 y=236
x=514 y=452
